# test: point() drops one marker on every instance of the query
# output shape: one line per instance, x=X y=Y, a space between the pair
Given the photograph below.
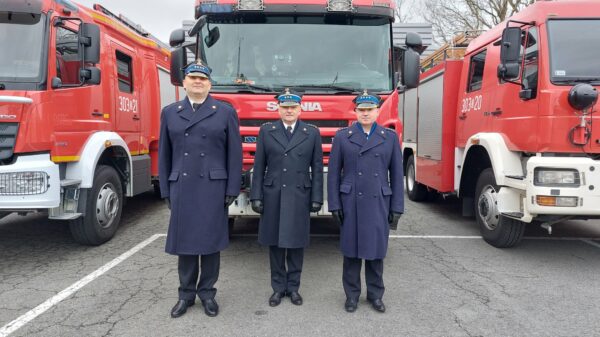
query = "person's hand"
x=338 y=215
x=393 y=219
x=168 y=202
x=229 y=199
x=257 y=206
x=315 y=207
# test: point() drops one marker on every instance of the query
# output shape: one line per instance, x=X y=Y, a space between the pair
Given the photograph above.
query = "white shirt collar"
x=293 y=125
x=192 y=102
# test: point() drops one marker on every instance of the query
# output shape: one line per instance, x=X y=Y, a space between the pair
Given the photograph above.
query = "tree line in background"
x=451 y=17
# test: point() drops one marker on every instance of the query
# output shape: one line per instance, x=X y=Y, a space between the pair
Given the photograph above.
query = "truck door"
x=512 y=115
x=125 y=82
x=474 y=102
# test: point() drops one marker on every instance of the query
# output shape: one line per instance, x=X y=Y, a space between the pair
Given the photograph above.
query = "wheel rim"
x=487 y=207
x=410 y=178
x=107 y=205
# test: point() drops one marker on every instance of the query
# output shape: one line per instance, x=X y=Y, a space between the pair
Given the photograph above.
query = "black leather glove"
x=338 y=215
x=229 y=199
x=393 y=219
x=315 y=207
x=168 y=202
x=257 y=206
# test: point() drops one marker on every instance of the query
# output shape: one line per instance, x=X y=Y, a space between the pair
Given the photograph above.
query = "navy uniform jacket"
x=200 y=161
x=282 y=180
x=358 y=184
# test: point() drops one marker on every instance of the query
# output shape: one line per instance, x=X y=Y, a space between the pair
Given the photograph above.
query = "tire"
x=415 y=190
x=103 y=209
x=497 y=230
x=156 y=189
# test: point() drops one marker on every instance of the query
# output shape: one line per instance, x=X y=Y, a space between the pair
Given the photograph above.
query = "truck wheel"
x=415 y=190
x=497 y=230
x=103 y=209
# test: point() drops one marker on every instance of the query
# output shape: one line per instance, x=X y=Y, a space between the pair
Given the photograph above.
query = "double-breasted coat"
x=287 y=177
x=200 y=162
x=365 y=181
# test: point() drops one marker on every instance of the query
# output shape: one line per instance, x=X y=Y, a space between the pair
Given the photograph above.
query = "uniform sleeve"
x=397 y=178
x=234 y=155
x=165 y=153
x=260 y=166
x=316 y=168
x=333 y=175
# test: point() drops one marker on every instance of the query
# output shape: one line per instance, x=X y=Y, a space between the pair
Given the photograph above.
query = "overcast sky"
x=159 y=17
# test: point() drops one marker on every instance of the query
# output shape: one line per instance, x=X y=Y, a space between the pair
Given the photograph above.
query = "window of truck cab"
x=476 y=67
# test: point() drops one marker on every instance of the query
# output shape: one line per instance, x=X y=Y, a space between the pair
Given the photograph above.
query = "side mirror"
x=177 y=37
x=89 y=37
x=510 y=48
x=56 y=83
x=178 y=61
x=410 y=69
x=90 y=75
x=201 y=22
x=413 y=41
x=213 y=37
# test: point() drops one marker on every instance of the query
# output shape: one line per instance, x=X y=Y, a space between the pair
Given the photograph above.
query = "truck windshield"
x=21 y=41
x=311 y=53
x=574 y=46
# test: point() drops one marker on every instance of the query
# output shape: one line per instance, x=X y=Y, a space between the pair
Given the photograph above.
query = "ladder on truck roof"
x=453 y=50
x=130 y=24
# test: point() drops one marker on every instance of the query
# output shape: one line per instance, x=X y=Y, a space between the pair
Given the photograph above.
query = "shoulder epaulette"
x=390 y=130
x=314 y=126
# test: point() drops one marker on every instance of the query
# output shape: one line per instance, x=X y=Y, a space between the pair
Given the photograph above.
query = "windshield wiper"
x=338 y=88
x=569 y=80
x=248 y=86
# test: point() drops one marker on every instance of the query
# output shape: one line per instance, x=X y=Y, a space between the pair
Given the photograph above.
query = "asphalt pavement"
x=441 y=280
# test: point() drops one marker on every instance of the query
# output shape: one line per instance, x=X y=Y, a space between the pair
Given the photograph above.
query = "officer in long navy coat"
x=366 y=196
x=200 y=168
x=287 y=185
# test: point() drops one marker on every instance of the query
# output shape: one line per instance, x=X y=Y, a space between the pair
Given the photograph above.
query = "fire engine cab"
x=80 y=97
x=331 y=50
x=512 y=127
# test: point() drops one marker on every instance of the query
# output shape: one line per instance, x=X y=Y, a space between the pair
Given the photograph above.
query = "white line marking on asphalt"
x=49 y=303
x=590 y=242
x=549 y=238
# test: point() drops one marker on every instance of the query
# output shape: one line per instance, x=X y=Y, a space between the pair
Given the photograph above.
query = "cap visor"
x=289 y=104
x=203 y=75
x=367 y=105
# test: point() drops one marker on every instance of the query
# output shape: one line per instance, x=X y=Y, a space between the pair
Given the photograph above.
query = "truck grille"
x=321 y=123
x=8 y=138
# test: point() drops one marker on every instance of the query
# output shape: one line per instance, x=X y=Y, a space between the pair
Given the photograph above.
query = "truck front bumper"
x=31 y=182
x=580 y=199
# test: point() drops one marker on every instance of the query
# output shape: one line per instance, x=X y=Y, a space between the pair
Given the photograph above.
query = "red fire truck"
x=330 y=50
x=512 y=127
x=80 y=97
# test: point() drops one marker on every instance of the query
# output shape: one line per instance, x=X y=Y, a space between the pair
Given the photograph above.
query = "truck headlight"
x=556 y=177
x=23 y=183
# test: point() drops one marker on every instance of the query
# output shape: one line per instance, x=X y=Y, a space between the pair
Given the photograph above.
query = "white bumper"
x=50 y=198
x=588 y=192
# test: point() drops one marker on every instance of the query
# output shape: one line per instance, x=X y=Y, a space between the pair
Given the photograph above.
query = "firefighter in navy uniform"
x=287 y=184
x=200 y=170
x=366 y=196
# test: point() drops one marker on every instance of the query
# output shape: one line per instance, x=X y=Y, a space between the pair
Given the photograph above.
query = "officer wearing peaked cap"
x=366 y=196
x=287 y=184
x=200 y=168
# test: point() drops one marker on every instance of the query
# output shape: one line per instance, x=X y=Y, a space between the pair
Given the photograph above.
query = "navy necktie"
x=195 y=106
x=289 y=132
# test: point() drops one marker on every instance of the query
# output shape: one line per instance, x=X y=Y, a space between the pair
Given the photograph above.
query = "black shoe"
x=378 y=304
x=351 y=305
x=181 y=307
x=295 y=297
x=275 y=299
x=211 y=308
